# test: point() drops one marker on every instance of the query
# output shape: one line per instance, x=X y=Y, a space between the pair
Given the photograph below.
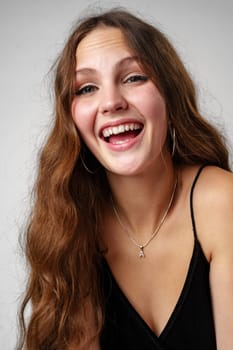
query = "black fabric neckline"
x=197 y=251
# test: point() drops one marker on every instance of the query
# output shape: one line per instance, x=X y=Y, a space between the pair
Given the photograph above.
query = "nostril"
x=114 y=104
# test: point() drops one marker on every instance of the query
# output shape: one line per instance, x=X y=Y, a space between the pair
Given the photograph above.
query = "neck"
x=142 y=200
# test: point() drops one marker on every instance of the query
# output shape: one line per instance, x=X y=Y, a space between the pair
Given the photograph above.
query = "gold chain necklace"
x=154 y=233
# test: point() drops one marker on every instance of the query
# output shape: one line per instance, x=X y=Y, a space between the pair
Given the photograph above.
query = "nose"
x=112 y=101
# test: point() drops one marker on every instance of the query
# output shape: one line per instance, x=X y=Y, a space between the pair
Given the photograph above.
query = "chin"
x=125 y=170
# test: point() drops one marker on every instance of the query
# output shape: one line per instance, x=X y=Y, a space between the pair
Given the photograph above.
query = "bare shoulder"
x=218 y=176
x=214 y=209
x=213 y=206
x=215 y=188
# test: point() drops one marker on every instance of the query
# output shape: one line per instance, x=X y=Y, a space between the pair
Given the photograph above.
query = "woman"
x=130 y=241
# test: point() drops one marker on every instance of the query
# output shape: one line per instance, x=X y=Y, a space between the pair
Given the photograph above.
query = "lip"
x=117 y=123
x=125 y=146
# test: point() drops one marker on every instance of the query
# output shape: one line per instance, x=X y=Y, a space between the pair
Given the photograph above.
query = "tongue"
x=123 y=137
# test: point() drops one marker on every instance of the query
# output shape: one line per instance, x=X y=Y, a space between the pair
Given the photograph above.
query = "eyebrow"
x=124 y=61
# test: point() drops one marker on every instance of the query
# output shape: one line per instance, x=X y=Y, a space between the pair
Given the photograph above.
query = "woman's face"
x=117 y=109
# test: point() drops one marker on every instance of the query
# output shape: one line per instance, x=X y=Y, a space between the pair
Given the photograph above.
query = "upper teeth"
x=115 y=130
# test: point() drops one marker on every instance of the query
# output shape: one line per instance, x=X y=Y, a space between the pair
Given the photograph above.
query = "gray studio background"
x=31 y=35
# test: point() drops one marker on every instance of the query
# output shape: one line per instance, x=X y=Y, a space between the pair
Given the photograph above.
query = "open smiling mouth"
x=122 y=133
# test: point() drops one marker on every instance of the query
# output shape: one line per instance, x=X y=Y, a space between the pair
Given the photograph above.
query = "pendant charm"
x=141 y=253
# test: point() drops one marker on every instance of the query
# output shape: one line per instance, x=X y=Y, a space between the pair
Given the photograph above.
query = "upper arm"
x=217 y=227
x=221 y=282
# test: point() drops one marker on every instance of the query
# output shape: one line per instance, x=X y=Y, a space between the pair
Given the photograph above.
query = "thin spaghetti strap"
x=191 y=199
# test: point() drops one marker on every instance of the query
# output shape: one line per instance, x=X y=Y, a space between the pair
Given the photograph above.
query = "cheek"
x=157 y=104
x=161 y=125
x=154 y=109
x=151 y=103
x=83 y=117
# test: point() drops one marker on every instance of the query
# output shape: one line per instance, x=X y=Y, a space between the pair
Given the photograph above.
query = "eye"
x=136 y=78
x=87 y=89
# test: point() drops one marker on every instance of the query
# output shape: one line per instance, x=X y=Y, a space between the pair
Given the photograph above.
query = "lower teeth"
x=120 y=142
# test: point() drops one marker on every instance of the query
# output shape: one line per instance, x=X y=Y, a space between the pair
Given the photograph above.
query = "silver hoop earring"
x=86 y=167
x=173 y=136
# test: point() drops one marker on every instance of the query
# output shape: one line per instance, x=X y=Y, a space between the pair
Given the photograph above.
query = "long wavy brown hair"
x=63 y=247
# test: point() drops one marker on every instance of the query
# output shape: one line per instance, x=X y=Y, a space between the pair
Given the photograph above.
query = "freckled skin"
x=105 y=70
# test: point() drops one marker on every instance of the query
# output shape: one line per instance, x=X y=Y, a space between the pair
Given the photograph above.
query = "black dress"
x=190 y=326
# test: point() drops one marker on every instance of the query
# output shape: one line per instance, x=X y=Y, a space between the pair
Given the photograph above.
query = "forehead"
x=101 y=39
